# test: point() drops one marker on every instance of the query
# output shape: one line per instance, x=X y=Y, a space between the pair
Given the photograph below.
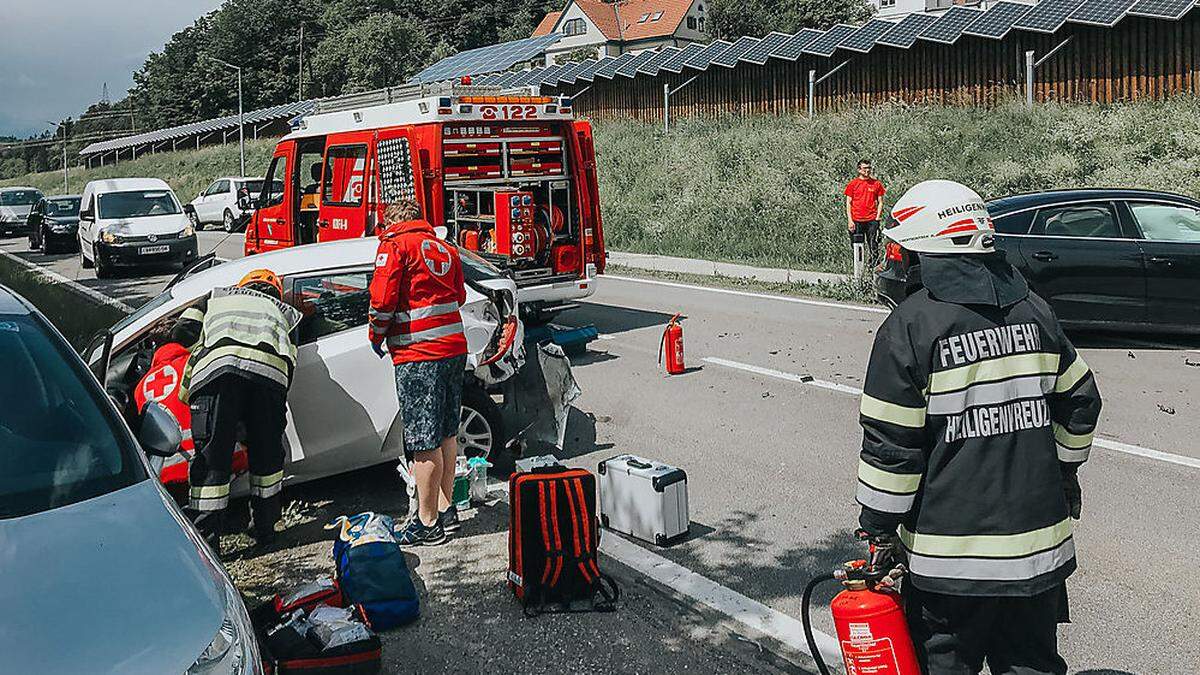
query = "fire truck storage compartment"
x=485 y=168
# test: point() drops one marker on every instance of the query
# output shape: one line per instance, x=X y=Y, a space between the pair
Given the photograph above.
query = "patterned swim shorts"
x=430 y=395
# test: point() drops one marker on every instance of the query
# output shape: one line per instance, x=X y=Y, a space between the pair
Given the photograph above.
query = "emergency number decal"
x=381 y=260
x=509 y=112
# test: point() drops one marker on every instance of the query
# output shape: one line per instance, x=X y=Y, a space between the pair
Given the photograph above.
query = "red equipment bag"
x=323 y=591
x=289 y=645
x=552 y=539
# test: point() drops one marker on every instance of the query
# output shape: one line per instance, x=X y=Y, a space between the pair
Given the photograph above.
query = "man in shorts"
x=416 y=293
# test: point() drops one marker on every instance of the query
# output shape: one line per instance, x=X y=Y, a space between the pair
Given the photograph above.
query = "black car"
x=1102 y=258
x=54 y=224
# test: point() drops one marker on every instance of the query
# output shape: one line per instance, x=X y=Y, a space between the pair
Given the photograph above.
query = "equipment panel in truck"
x=471 y=149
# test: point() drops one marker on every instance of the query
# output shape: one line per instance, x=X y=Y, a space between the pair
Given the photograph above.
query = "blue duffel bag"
x=372 y=572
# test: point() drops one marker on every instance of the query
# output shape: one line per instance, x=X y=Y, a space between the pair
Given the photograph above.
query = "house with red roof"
x=597 y=28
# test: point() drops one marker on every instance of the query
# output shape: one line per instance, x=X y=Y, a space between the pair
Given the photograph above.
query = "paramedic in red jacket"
x=416 y=293
x=161 y=382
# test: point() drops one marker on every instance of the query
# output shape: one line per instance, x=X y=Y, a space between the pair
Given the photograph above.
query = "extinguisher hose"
x=805 y=601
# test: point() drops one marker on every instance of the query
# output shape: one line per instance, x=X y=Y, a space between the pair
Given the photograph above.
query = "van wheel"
x=227 y=221
x=102 y=271
x=481 y=429
x=83 y=259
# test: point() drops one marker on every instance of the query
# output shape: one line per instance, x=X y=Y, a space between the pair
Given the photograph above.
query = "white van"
x=132 y=222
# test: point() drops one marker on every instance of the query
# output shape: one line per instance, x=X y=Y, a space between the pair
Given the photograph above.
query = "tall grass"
x=768 y=190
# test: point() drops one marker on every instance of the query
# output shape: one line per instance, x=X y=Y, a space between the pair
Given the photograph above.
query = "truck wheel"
x=227 y=221
x=481 y=429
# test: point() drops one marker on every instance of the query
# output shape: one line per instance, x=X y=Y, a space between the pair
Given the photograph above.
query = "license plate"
x=151 y=250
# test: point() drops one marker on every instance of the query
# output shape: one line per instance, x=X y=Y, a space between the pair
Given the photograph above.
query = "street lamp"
x=241 y=121
x=63 y=125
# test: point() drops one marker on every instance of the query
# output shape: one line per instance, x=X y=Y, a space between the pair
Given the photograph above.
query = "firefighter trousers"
x=954 y=634
x=217 y=412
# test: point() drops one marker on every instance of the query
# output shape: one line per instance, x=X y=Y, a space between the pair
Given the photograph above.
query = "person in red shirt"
x=864 y=207
x=416 y=293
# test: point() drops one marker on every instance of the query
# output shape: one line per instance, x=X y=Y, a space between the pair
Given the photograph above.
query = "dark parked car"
x=1102 y=258
x=54 y=224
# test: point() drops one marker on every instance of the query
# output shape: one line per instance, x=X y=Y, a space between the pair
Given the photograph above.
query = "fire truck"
x=507 y=174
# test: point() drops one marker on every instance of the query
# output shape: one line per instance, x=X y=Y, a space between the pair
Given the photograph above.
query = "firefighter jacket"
x=975 y=404
x=244 y=333
x=416 y=293
x=162 y=384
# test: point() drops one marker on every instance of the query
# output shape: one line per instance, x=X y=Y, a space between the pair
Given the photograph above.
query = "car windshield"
x=19 y=197
x=60 y=440
x=138 y=204
x=476 y=268
x=63 y=208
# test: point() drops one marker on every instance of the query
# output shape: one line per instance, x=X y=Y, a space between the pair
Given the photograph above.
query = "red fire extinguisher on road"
x=672 y=344
x=871 y=629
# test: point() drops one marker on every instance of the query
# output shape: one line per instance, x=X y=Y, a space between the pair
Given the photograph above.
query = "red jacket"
x=416 y=293
x=161 y=384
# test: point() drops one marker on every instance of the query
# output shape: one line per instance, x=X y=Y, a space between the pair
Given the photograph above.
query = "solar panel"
x=588 y=73
x=904 y=34
x=828 y=42
x=762 y=51
x=794 y=47
x=675 y=63
x=949 y=26
x=508 y=78
x=1161 y=9
x=652 y=66
x=571 y=71
x=609 y=70
x=864 y=38
x=630 y=67
x=489 y=59
x=729 y=57
x=998 y=21
x=1047 y=16
x=703 y=58
x=533 y=76
x=1101 y=12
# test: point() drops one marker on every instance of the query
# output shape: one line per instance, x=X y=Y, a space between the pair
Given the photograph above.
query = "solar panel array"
x=1048 y=15
x=793 y=48
x=630 y=68
x=1101 y=12
x=828 y=42
x=765 y=48
x=904 y=34
x=998 y=21
x=675 y=63
x=489 y=59
x=703 y=58
x=729 y=57
x=655 y=64
x=864 y=38
x=949 y=26
x=1172 y=10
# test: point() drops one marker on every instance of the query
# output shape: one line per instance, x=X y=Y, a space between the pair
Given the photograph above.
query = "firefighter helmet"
x=941 y=216
x=265 y=281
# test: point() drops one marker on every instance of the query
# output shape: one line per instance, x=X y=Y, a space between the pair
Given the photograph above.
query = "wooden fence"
x=1138 y=59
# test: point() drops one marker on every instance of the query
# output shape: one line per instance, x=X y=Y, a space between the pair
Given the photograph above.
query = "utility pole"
x=62 y=126
x=241 y=114
x=300 y=71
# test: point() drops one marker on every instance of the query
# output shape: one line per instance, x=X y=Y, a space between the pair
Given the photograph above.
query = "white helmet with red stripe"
x=941 y=216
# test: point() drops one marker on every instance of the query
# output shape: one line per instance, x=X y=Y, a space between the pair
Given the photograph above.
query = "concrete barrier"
x=77 y=311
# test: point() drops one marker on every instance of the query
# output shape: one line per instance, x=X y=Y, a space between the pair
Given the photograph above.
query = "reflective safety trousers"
x=245 y=333
x=971 y=417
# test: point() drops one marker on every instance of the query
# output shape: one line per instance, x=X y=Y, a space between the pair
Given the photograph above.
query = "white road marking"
x=749 y=294
x=57 y=278
x=749 y=612
x=1116 y=446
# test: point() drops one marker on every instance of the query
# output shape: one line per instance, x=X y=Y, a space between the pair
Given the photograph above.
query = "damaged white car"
x=342 y=406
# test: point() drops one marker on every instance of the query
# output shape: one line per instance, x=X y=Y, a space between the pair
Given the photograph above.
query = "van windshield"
x=138 y=204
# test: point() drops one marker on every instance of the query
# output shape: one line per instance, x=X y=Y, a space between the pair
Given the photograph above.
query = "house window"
x=700 y=22
x=884 y=4
x=931 y=5
x=644 y=17
x=656 y=17
x=574 y=27
x=691 y=23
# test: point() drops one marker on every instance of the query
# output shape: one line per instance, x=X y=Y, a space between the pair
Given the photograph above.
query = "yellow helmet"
x=264 y=280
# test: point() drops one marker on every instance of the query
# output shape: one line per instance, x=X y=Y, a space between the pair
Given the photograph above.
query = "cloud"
x=55 y=57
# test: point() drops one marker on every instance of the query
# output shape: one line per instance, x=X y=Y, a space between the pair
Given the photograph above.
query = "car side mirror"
x=160 y=434
x=188 y=209
x=87 y=215
x=244 y=202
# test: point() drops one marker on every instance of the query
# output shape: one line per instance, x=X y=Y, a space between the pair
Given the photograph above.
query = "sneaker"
x=448 y=519
x=416 y=533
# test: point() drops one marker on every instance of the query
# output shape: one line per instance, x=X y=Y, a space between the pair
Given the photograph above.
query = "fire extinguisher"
x=672 y=343
x=871 y=629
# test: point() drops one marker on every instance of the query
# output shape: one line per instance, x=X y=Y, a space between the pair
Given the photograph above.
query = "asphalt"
x=771 y=459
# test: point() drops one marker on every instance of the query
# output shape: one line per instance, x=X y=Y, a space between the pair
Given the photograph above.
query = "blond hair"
x=400 y=211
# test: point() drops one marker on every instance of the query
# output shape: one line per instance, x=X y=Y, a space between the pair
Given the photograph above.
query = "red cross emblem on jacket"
x=161 y=384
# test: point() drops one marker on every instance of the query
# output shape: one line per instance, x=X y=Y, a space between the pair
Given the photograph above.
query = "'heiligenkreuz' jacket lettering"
x=416 y=293
x=970 y=416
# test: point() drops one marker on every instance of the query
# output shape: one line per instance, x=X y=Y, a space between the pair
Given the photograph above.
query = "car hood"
x=111 y=584
x=140 y=227
x=10 y=213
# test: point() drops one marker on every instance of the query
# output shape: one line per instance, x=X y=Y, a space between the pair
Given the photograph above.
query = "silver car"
x=102 y=573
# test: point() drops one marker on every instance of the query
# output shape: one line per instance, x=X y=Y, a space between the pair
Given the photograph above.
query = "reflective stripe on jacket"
x=163 y=384
x=245 y=333
x=416 y=293
x=971 y=415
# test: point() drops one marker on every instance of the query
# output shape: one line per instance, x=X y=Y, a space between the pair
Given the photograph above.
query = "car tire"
x=196 y=224
x=228 y=222
x=83 y=259
x=480 y=420
x=32 y=245
x=102 y=271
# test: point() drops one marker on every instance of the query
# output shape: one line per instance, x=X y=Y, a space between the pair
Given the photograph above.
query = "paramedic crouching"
x=416 y=293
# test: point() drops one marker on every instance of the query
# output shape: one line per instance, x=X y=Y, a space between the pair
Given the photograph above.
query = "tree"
x=735 y=18
x=379 y=51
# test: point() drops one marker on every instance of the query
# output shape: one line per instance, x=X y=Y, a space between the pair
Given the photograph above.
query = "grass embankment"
x=768 y=190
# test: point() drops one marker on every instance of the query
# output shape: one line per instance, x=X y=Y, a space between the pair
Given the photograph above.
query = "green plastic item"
x=462 y=487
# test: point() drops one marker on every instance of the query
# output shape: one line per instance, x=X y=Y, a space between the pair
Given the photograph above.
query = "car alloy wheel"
x=480 y=426
x=195 y=221
x=227 y=220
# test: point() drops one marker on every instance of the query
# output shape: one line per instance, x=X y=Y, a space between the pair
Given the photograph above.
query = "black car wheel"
x=33 y=244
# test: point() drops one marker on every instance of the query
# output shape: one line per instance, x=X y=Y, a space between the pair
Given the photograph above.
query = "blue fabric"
x=372 y=571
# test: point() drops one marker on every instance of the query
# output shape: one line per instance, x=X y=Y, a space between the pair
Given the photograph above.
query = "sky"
x=56 y=55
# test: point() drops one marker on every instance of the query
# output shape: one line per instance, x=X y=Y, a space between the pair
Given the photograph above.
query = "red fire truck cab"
x=511 y=176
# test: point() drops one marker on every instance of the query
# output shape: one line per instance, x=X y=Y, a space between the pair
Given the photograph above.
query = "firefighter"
x=416 y=293
x=239 y=373
x=977 y=412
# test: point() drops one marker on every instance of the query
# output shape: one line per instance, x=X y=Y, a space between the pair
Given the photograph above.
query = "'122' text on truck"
x=511 y=176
